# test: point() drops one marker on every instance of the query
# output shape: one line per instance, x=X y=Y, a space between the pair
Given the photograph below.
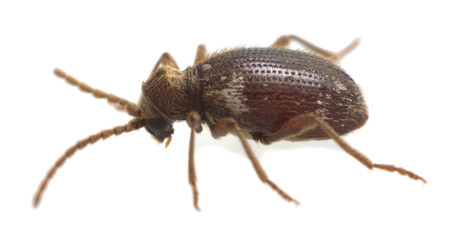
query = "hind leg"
x=305 y=122
x=283 y=42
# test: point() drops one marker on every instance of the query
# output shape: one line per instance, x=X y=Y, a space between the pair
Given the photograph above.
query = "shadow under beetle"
x=264 y=94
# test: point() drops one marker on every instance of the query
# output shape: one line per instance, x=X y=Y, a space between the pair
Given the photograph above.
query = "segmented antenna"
x=131 y=108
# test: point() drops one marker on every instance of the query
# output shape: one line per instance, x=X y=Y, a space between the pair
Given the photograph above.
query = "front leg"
x=193 y=120
x=166 y=59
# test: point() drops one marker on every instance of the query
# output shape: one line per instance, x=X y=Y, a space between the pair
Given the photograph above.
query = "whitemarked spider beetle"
x=265 y=94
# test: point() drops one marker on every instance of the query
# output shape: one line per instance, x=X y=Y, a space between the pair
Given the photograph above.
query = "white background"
x=129 y=187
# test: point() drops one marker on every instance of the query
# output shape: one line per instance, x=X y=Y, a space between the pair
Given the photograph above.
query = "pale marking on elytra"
x=339 y=86
x=322 y=113
x=231 y=95
x=206 y=67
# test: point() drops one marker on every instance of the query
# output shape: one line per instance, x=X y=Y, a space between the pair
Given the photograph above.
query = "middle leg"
x=201 y=54
x=226 y=125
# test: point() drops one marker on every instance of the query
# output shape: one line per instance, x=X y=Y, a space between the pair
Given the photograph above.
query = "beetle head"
x=160 y=127
x=165 y=99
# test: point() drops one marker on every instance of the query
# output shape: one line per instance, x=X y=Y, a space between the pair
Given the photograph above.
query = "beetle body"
x=261 y=88
x=264 y=94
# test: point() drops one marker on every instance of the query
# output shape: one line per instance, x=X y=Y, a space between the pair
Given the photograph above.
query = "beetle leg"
x=166 y=59
x=312 y=120
x=193 y=120
x=283 y=42
x=226 y=125
x=201 y=53
x=292 y=128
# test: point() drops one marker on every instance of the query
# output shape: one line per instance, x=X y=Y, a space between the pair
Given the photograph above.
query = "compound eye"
x=156 y=124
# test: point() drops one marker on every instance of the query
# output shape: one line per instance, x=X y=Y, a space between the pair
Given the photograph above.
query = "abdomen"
x=262 y=88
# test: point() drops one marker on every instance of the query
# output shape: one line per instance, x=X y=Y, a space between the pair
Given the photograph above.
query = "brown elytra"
x=265 y=94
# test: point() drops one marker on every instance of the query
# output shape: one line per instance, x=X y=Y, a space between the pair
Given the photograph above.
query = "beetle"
x=265 y=94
